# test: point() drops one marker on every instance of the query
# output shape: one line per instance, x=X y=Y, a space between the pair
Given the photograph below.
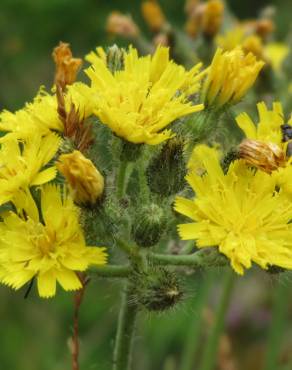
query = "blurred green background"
x=29 y=29
x=34 y=332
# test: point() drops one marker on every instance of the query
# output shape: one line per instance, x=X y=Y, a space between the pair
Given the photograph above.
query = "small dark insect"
x=287 y=136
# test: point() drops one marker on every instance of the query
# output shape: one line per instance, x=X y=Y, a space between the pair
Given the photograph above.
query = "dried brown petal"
x=265 y=156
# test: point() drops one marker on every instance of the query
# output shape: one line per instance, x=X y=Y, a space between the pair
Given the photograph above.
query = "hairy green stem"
x=279 y=312
x=112 y=271
x=211 y=348
x=193 y=335
x=202 y=258
x=125 y=331
x=188 y=247
x=121 y=179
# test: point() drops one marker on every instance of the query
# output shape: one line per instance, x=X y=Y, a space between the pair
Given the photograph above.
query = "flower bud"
x=149 y=225
x=264 y=27
x=166 y=172
x=265 y=156
x=115 y=58
x=153 y=15
x=229 y=77
x=122 y=25
x=253 y=44
x=84 y=180
x=67 y=67
x=157 y=289
x=212 y=17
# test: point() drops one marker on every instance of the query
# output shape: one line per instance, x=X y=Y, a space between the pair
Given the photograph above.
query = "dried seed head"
x=265 y=156
x=67 y=67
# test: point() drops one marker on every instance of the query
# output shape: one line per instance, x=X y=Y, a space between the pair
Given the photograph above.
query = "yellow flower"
x=231 y=39
x=22 y=165
x=240 y=213
x=268 y=127
x=276 y=53
x=229 y=77
x=253 y=44
x=41 y=115
x=85 y=181
x=50 y=250
x=139 y=101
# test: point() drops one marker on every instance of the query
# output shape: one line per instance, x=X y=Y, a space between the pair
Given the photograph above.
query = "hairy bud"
x=265 y=156
x=115 y=58
x=85 y=181
x=166 y=172
x=149 y=225
x=157 y=289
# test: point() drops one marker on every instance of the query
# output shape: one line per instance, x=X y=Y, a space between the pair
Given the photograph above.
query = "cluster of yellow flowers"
x=245 y=212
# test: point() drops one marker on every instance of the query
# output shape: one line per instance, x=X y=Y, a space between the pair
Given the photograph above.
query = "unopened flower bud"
x=149 y=225
x=153 y=15
x=191 y=6
x=122 y=25
x=265 y=156
x=253 y=44
x=212 y=17
x=115 y=58
x=166 y=172
x=67 y=67
x=157 y=289
x=84 y=180
x=264 y=27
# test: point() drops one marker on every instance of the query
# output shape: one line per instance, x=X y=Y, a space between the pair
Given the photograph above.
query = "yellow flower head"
x=22 y=165
x=41 y=115
x=240 y=213
x=231 y=39
x=140 y=100
x=85 y=181
x=253 y=44
x=275 y=54
x=268 y=127
x=229 y=77
x=50 y=250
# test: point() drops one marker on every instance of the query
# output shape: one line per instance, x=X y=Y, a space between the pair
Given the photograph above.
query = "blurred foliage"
x=34 y=332
x=30 y=29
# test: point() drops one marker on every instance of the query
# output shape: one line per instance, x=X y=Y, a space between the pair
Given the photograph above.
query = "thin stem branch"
x=211 y=348
x=78 y=298
x=112 y=271
x=193 y=335
x=279 y=312
x=125 y=331
x=121 y=179
x=202 y=258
